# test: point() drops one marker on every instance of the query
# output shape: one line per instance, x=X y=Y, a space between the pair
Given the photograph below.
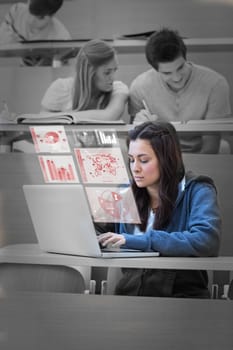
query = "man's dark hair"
x=40 y=8
x=164 y=46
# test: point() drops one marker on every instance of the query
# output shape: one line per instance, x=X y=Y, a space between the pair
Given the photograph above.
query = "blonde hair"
x=92 y=55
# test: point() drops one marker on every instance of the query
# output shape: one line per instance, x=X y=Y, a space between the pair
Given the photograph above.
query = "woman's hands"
x=110 y=239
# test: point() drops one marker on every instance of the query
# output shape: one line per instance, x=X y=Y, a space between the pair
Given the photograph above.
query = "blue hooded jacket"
x=194 y=230
x=195 y=227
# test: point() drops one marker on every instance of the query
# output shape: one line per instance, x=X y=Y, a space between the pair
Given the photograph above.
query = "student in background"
x=178 y=90
x=93 y=91
x=33 y=21
x=179 y=215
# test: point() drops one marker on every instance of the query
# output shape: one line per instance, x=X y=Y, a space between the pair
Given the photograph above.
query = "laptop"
x=63 y=223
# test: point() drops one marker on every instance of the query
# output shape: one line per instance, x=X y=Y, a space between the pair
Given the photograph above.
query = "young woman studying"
x=179 y=215
x=93 y=92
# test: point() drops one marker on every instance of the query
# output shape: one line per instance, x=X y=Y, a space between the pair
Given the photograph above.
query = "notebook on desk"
x=63 y=223
x=69 y=117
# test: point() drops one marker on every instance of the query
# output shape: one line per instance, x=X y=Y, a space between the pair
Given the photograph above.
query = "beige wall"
x=107 y=18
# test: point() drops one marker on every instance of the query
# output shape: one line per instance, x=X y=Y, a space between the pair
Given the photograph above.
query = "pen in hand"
x=144 y=114
x=146 y=109
x=145 y=106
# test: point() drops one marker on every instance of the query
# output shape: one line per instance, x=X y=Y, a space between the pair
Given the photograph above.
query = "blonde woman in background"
x=93 y=91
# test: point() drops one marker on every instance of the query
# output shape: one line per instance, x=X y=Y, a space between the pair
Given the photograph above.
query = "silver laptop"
x=63 y=224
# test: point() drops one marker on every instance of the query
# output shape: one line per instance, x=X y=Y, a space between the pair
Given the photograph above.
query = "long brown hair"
x=92 y=55
x=164 y=141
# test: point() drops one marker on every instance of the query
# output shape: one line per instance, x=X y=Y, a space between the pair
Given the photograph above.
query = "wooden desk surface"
x=68 y=321
x=224 y=126
x=129 y=46
x=31 y=253
x=193 y=45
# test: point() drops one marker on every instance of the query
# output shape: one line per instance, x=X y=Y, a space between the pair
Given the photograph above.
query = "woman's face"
x=144 y=164
x=104 y=76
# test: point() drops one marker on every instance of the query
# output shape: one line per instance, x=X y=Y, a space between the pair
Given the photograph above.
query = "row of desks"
x=122 y=46
x=58 y=321
x=223 y=125
x=32 y=254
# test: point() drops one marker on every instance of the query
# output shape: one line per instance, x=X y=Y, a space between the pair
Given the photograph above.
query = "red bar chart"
x=58 y=169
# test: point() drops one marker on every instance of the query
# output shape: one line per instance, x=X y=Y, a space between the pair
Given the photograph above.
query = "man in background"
x=33 y=21
x=178 y=90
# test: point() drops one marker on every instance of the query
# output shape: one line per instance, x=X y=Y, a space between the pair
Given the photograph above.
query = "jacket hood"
x=189 y=179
